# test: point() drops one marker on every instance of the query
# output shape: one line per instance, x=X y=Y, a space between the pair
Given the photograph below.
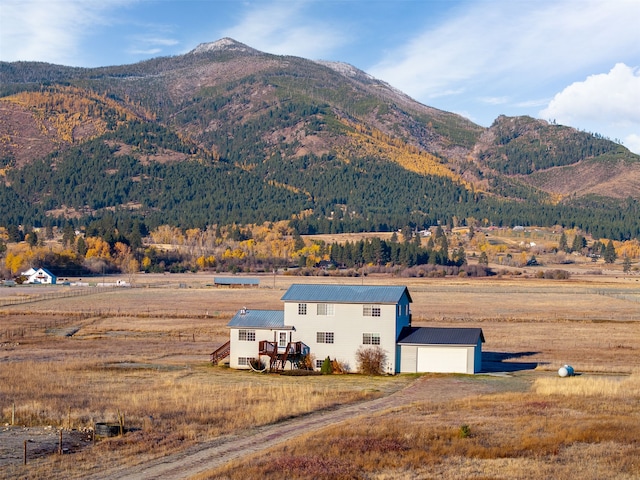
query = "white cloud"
x=607 y=103
x=49 y=30
x=494 y=100
x=150 y=44
x=533 y=103
x=612 y=98
x=504 y=45
x=281 y=28
x=632 y=142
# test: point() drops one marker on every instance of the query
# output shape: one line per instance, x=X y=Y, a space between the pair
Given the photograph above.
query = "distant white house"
x=29 y=272
x=40 y=276
x=336 y=320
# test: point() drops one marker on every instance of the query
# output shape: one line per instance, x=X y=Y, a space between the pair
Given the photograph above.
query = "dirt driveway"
x=213 y=454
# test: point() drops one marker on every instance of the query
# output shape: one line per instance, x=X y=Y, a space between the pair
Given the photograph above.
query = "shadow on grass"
x=502 y=361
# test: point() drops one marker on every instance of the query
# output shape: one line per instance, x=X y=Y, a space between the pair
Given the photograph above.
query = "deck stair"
x=221 y=352
x=294 y=352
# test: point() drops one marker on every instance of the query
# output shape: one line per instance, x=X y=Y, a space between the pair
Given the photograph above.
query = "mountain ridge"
x=227 y=102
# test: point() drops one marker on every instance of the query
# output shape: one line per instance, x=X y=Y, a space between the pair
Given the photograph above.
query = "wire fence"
x=79 y=292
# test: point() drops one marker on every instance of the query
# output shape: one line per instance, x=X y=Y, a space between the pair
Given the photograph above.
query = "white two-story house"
x=336 y=320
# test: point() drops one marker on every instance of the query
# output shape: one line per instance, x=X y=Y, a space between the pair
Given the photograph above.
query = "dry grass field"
x=142 y=354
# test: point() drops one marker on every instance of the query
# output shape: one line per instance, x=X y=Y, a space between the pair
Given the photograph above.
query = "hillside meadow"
x=140 y=355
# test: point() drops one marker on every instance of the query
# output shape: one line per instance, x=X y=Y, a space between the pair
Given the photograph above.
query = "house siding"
x=408 y=349
x=348 y=325
x=246 y=348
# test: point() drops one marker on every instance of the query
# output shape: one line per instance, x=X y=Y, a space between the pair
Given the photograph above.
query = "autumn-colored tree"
x=98 y=248
x=19 y=256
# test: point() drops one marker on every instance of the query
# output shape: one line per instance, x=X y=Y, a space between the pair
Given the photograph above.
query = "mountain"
x=229 y=134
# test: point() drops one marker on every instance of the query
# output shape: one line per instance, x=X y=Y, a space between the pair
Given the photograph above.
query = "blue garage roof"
x=259 y=319
x=440 y=336
x=345 y=293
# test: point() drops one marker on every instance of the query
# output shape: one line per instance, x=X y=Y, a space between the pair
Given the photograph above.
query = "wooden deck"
x=294 y=352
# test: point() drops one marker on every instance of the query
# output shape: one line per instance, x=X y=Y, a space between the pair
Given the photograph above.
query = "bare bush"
x=371 y=360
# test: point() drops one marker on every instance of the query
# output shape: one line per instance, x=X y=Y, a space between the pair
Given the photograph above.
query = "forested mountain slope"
x=229 y=134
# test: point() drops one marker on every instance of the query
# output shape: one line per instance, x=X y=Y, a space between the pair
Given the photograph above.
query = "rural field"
x=71 y=357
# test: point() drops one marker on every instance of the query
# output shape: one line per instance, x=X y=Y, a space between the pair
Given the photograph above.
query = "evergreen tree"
x=32 y=238
x=298 y=241
x=459 y=256
x=626 y=264
x=563 y=246
x=15 y=235
x=610 y=253
x=68 y=235
x=326 y=367
x=81 y=246
x=579 y=242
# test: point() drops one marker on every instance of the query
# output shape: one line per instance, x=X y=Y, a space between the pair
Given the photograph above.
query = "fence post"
x=25 y=452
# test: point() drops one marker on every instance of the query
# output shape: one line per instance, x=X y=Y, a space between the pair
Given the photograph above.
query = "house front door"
x=282 y=339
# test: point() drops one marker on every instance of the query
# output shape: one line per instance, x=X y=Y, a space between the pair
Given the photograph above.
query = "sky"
x=574 y=62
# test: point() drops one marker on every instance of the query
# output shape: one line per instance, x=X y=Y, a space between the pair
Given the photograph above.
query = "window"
x=324 y=337
x=282 y=339
x=371 y=310
x=245 y=360
x=302 y=309
x=325 y=309
x=371 y=338
x=247 y=335
x=319 y=363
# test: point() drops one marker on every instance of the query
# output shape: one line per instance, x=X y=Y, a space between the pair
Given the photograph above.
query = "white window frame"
x=325 y=337
x=326 y=309
x=302 y=309
x=245 y=361
x=245 y=335
x=319 y=363
x=371 y=311
x=371 y=338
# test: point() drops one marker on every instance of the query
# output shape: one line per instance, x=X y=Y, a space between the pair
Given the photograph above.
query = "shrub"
x=465 y=431
x=371 y=360
x=307 y=362
x=326 y=368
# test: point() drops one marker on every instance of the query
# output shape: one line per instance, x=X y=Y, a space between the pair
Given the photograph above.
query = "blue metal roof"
x=259 y=319
x=440 y=336
x=236 y=281
x=345 y=293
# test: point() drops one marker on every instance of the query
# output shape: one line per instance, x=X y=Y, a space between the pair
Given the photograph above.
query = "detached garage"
x=440 y=350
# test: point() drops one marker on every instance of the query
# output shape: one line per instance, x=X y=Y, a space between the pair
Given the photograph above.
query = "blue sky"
x=573 y=61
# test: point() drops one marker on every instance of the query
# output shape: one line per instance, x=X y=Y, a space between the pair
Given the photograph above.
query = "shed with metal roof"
x=236 y=281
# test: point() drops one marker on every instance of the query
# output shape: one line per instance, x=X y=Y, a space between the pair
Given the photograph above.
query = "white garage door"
x=442 y=360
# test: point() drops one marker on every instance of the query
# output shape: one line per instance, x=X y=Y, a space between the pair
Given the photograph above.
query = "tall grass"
x=193 y=402
x=587 y=386
x=527 y=435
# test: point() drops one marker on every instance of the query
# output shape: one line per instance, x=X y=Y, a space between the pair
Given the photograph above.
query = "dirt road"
x=216 y=453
